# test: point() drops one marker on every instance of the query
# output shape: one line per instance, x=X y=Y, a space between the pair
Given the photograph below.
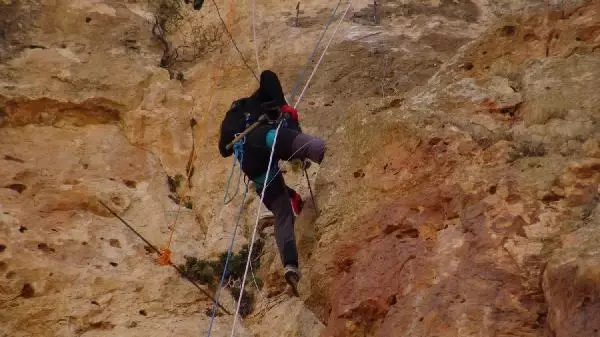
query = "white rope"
x=262 y=194
x=262 y=197
x=322 y=54
x=254 y=36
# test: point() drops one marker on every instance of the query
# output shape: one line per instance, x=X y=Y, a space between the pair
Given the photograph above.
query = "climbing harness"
x=246 y=131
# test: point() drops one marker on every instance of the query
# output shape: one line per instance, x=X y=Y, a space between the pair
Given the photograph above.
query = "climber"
x=292 y=144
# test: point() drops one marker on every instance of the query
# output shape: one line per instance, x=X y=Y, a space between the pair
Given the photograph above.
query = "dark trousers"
x=277 y=194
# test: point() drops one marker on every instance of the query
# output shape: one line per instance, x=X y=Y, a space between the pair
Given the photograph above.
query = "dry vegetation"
x=184 y=37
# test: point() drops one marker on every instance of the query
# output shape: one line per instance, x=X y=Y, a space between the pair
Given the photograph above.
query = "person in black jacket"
x=291 y=144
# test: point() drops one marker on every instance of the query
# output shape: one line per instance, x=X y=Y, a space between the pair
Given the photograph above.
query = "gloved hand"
x=287 y=109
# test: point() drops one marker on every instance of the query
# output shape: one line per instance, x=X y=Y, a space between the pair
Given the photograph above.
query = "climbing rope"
x=254 y=35
x=323 y=54
x=233 y=40
x=229 y=252
x=158 y=252
x=165 y=252
x=164 y=259
x=305 y=68
x=262 y=196
x=238 y=150
x=312 y=55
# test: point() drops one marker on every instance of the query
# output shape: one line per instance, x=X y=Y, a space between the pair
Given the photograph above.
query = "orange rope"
x=164 y=259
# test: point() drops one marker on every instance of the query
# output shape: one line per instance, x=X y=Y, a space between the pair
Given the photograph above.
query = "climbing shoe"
x=297 y=203
x=292 y=277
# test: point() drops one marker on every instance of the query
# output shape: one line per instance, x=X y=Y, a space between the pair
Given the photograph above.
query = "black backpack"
x=241 y=114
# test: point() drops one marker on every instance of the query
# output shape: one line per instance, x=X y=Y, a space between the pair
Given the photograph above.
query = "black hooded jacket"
x=266 y=100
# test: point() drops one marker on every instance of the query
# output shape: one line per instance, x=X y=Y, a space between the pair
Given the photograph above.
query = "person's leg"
x=292 y=145
x=277 y=200
x=308 y=147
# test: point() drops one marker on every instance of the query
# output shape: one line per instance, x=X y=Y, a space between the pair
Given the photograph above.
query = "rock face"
x=459 y=194
x=570 y=279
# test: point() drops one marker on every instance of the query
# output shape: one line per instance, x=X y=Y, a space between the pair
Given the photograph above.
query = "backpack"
x=240 y=115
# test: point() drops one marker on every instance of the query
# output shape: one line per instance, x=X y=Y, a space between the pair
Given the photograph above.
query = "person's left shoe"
x=292 y=277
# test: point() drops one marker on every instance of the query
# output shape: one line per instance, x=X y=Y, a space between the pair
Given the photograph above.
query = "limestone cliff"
x=459 y=194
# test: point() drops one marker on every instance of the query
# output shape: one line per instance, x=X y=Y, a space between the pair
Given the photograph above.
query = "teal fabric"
x=270 y=137
x=260 y=180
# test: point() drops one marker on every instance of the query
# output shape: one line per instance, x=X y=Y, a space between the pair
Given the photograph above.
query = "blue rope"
x=229 y=252
x=238 y=150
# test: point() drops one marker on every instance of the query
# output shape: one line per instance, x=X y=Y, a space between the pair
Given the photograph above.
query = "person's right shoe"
x=292 y=277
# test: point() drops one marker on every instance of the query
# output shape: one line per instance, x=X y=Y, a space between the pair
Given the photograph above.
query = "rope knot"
x=164 y=259
x=238 y=149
